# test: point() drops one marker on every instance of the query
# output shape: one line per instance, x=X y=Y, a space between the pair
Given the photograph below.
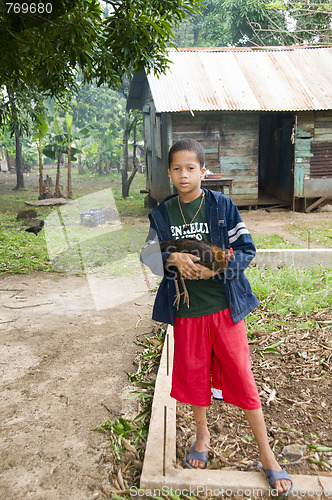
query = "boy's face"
x=186 y=172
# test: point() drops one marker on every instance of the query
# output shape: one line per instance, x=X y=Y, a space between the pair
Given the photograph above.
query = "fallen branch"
x=111 y=411
x=326 y=347
x=221 y=458
x=123 y=492
x=137 y=323
x=25 y=307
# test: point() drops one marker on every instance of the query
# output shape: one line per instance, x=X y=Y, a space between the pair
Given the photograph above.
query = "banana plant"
x=68 y=139
x=62 y=143
x=54 y=150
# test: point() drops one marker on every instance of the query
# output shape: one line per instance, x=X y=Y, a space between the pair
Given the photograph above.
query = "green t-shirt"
x=206 y=296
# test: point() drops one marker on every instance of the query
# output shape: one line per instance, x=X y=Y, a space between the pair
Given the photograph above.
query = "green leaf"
x=171 y=495
x=249 y=439
x=143 y=414
x=42 y=127
x=320 y=462
x=69 y=123
x=87 y=130
x=318 y=447
x=272 y=347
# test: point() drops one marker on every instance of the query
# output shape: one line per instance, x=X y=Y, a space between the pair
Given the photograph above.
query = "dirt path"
x=60 y=362
x=278 y=222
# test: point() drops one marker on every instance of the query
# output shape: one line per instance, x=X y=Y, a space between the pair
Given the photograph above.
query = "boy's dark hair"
x=187 y=145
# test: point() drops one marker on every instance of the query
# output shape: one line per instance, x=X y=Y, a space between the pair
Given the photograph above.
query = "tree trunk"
x=100 y=165
x=124 y=163
x=41 y=180
x=57 y=192
x=19 y=162
x=9 y=161
x=69 y=184
x=107 y=168
x=196 y=34
x=80 y=166
x=126 y=182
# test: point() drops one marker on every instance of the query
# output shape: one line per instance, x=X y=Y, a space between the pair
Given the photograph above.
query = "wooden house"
x=263 y=116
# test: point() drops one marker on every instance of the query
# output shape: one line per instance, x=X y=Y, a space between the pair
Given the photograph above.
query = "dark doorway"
x=276 y=155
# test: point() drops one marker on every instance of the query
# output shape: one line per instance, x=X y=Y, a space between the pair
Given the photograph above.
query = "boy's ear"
x=169 y=173
x=203 y=171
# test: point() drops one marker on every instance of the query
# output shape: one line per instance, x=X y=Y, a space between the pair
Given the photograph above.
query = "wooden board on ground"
x=47 y=202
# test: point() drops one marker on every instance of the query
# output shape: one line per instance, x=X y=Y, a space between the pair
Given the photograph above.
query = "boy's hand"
x=185 y=262
x=205 y=272
x=189 y=266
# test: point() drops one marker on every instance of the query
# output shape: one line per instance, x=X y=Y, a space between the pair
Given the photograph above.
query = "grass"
x=273 y=241
x=20 y=252
x=112 y=254
x=65 y=245
x=289 y=293
x=320 y=235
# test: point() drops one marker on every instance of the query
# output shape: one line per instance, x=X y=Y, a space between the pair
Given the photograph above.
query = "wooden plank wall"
x=304 y=138
x=323 y=126
x=204 y=128
x=313 y=137
x=239 y=158
x=231 y=142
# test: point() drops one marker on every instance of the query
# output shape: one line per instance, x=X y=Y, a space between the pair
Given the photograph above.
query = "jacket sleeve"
x=151 y=254
x=240 y=240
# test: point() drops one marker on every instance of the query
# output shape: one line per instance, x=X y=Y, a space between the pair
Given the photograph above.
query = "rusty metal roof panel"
x=289 y=79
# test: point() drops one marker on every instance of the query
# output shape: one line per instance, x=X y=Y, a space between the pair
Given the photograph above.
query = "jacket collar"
x=160 y=217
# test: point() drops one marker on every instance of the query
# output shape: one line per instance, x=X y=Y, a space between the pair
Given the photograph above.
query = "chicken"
x=36 y=229
x=211 y=256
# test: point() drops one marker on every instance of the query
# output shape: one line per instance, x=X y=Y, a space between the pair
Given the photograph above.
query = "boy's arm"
x=240 y=240
x=151 y=255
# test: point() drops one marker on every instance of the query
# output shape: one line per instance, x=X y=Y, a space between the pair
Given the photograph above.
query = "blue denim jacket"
x=227 y=229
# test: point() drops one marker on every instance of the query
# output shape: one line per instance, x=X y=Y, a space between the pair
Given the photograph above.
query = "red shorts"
x=213 y=348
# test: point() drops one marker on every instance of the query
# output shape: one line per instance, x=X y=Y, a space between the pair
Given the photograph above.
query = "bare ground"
x=62 y=364
x=278 y=221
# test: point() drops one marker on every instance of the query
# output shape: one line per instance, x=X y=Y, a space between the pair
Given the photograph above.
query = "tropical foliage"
x=104 y=43
x=257 y=23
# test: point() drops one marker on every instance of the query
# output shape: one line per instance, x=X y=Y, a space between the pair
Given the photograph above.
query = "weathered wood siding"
x=230 y=141
x=313 y=155
x=239 y=154
x=156 y=151
x=204 y=128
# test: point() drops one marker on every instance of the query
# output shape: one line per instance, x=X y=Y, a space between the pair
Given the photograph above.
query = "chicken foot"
x=178 y=294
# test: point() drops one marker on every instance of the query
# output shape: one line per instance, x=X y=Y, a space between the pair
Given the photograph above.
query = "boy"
x=210 y=336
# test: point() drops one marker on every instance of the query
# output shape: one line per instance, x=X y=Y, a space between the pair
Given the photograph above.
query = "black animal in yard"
x=37 y=228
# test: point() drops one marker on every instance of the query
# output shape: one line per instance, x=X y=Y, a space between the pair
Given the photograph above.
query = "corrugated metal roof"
x=289 y=79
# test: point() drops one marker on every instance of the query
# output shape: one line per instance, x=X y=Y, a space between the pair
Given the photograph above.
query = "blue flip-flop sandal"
x=275 y=475
x=193 y=454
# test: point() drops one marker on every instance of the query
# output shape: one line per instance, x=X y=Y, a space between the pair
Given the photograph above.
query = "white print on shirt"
x=195 y=230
